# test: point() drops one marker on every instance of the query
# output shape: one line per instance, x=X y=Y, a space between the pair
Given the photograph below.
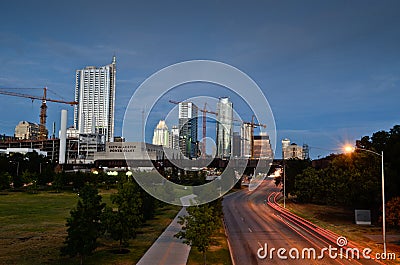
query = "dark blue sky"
x=329 y=69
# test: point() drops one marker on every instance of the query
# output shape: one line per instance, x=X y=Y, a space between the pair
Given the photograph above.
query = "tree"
x=393 y=212
x=310 y=187
x=197 y=227
x=5 y=180
x=149 y=204
x=293 y=167
x=122 y=224
x=84 y=224
x=59 y=181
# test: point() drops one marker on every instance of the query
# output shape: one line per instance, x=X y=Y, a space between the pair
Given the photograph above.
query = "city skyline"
x=330 y=71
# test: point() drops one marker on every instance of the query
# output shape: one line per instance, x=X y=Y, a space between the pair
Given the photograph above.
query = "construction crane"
x=43 y=108
x=204 y=142
x=253 y=125
x=204 y=111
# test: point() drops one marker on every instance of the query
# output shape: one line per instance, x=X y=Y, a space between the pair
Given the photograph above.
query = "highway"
x=254 y=222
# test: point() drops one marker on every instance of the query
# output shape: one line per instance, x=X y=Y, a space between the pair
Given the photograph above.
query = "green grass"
x=33 y=226
x=33 y=230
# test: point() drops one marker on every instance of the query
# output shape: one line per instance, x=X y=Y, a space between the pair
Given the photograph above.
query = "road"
x=252 y=223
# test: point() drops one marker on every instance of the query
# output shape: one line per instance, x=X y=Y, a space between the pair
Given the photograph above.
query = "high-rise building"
x=236 y=144
x=188 y=125
x=161 y=134
x=245 y=140
x=27 y=131
x=95 y=92
x=285 y=144
x=224 y=127
x=174 y=137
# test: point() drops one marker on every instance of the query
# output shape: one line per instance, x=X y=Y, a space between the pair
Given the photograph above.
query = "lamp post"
x=349 y=149
x=284 y=184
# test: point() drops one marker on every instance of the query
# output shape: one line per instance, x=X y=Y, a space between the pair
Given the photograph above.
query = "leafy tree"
x=197 y=227
x=122 y=224
x=293 y=167
x=389 y=143
x=5 y=180
x=84 y=225
x=393 y=212
x=59 y=181
x=17 y=181
x=149 y=204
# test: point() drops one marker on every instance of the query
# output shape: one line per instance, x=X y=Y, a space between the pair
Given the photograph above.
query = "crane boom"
x=43 y=107
x=8 y=93
x=253 y=125
x=204 y=142
x=204 y=131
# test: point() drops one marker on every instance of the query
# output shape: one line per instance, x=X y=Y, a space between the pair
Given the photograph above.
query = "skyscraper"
x=174 y=137
x=224 y=127
x=161 y=134
x=188 y=125
x=236 y=144
x=285 y=145
x=245 y=143
x=95 y=92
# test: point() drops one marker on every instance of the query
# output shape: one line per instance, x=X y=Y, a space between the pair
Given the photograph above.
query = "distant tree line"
x=350 y=180
x=33 y=172
x=17 y=169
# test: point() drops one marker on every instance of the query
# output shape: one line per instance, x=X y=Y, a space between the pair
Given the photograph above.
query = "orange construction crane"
x=43 y=108
x=252 y=126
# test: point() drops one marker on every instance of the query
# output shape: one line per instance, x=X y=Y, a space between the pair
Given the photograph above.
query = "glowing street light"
x=350 y=149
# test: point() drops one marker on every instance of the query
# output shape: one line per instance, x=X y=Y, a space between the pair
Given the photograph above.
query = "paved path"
x=167 y=250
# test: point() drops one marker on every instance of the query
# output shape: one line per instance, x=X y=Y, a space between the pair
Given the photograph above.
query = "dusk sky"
x=330 y=70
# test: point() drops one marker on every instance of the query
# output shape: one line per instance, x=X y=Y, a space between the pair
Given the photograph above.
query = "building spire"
x=114 y=59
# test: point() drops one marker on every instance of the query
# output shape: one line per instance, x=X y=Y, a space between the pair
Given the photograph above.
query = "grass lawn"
x=33 y=230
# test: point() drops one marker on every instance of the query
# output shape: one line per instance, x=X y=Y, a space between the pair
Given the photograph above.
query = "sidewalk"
x=167 y=249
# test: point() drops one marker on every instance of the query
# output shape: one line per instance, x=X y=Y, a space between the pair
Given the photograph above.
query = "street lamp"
x=284 y=184
x=350 y=149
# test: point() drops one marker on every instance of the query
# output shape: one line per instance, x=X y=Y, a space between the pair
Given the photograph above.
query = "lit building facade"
x=27 y=131
x=95 y=93
x=161 y=134
x=262 y=147
x=188 y=126
x=291 y=150
x=224 y=127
